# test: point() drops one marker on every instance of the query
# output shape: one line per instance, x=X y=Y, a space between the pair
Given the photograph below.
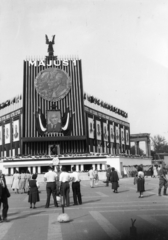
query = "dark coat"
x=3 y=189
x=114 y=176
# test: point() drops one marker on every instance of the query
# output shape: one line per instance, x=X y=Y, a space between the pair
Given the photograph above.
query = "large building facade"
x=54 y=116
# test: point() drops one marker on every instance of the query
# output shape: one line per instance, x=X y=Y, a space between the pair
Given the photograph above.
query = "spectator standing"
x=108 y=171
x=64 y=179
x=76 y=187
x=50 y=177
x=140 y=181
x=15 y=181
x=96 y=177
x=33 y=191
x=27 y=178
x=114 y=180
x=91 y=176
x=22 y=182
x=162 y=181
x=3 y=197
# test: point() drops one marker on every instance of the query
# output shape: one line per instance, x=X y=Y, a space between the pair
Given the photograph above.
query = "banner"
x=90 y=128
x=111 y=133
x=0 y=135
x=98 y=130
x=117 y=135
x=127 y=137
x=16 y=131
x=7 y=133
x=122 y=136
x=105 y=132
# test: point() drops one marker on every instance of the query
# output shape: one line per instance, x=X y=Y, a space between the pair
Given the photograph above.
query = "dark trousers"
x=65 y=193
x=51 y=189
x=76 y=193
x=4 y=202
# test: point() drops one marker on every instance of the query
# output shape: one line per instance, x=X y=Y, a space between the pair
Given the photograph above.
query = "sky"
x=123 y=45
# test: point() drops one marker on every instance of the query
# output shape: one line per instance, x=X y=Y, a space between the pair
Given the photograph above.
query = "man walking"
x=76 y=187
x=3 y=197
x=91 y=176
x=50 y=177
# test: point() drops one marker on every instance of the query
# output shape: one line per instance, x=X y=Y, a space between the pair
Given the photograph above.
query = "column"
x=149 y=148
x=77 y=168
x=82 y=167
x=147 y=151
x=94 y=167
x=103 y=166
x=34 y=169
x=98 y=167
x=136 y=148
x=39 y=169
x=12 y=171
x=29 y=168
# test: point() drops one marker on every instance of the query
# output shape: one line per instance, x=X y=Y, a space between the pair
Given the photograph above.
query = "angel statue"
x=50 y=45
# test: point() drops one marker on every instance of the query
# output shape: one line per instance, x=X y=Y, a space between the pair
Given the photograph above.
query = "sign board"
x=55 y=161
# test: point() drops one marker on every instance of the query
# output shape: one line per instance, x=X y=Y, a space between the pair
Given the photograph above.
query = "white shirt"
x=91 y=173
x=50 y=176
x=64 y=177
x=75 y=177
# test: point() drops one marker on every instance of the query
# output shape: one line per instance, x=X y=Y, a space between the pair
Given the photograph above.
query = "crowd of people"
x=58 y=185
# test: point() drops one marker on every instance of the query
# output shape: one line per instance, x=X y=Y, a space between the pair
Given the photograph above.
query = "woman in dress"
x=140 y=181
x=114 y=180
x=15 y=181
x=27 y=178
x=33 y=191
x=22 y=182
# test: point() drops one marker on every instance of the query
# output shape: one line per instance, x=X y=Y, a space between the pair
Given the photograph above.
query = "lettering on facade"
x=51 y=63
x=10 y=115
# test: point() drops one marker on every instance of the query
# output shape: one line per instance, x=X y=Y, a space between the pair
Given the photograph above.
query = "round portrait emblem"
x=53 y=84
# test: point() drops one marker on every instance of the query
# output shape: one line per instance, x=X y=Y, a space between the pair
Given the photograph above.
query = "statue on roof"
x=50 y=45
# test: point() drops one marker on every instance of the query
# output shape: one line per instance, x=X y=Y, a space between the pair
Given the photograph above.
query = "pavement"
x=103 y=215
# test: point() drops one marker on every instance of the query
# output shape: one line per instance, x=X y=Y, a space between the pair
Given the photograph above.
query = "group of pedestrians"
x=112 y=177
x=20 y=182
x=58 y=184
x=94 y=177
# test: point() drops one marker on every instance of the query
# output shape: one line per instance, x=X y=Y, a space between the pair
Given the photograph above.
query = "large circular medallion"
x=53 y=84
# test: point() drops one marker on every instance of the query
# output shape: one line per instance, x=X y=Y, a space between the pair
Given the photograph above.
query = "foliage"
x=160 y=144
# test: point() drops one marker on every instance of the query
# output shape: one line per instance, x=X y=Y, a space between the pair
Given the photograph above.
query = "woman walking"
x=140 y=181
x=27 y=178
x=15 y=181
x=33 y=191
x=114 y=180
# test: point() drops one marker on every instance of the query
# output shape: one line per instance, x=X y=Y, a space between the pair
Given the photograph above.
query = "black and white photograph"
x=83 y=119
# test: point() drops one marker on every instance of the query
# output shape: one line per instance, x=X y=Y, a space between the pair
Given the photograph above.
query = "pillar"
x=103 y=166
x=77 y=168
x=98 y=167
x=137 y=147
x=39 y=169
x=34 y=169
x=94 y=167
x=12 y=171
x=136 y=152
x=149 y=148
x=82 y=167
x=29 y=168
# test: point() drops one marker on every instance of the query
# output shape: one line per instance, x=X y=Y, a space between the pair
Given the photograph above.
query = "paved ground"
x=103 y=215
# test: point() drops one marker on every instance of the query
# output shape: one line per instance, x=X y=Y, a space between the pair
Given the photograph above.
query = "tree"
x=160 y=144
x=140 y=151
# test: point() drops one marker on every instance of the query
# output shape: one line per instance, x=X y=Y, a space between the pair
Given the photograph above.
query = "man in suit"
x=3 y=197
x=76 y=187
x=55 y=123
